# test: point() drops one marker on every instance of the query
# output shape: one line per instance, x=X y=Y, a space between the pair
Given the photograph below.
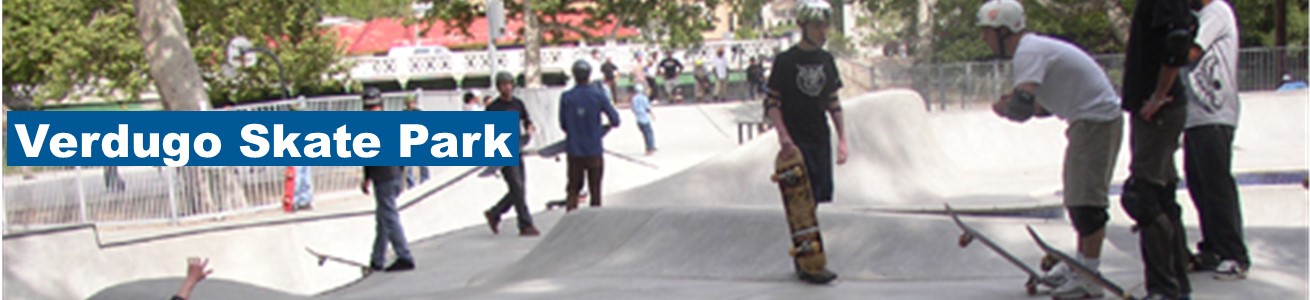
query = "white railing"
x=460 y=64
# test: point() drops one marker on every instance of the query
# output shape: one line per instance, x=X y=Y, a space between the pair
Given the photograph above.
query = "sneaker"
x=529 y=231
x=493 y=221
x=1061 y=275
x=1230 y=270
x=374 y=267
x=1204 y=261
x=400 y=265
x=1077 y=288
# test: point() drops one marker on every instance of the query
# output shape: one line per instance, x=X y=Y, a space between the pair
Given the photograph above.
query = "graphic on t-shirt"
x=1208 y=76
x=810 y=79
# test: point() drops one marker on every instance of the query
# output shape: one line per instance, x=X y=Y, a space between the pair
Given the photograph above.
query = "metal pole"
x=172 y=194
x=81 y=195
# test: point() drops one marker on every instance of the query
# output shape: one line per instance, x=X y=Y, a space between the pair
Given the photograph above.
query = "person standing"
x=1057 y=77
x=579 y=115
x=644 y=115
x=514 y=176
x=670 y=68
x=721 y=76
x=755 y=78
x=1213 y=107
x=1158 y=43
x=411 y=104
x=387 y=182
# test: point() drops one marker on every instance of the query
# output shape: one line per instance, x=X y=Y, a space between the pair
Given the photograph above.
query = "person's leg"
x=595 y=174
x=1210 y=181
x=518 y=196
x=818 y=167
x=378 y=259
x=648 y=134
x=507 y=201
x=1089 y=163
x=574 y=185
x=423 y=174
x=1146 y=197
x=387 y=193
x=1206 y=258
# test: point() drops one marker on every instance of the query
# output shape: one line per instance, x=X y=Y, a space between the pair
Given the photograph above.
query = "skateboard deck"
x=798 y=202
x=1081 y=269
x=324 y=258
x=970 y=234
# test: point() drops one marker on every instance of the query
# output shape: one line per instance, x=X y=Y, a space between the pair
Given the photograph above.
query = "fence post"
x=81 y=194
x=169 y=181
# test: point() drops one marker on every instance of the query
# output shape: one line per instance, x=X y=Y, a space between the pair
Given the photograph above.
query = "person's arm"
x=195 y=273
x=563 y=107
x=838 y=122
x=611 y=113
x=363 y=184
x=1019 y=105
x=528 y=128
x=1175 y=19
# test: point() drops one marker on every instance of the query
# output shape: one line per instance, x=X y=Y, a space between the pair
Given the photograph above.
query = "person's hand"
x=842 y=152
x=363 y=186
x=1153 y=106
x=788 y=147
x=195 y=269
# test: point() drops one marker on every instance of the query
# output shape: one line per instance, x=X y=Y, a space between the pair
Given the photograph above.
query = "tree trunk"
x=532 y=47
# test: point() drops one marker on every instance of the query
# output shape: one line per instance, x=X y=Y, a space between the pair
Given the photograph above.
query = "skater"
x=579 y=116
x=1158 y=42
x=720 y=76
x=1213 y=107
x=387 y=182
x=802 y=89
x=514 y=176
x=1055 y=77
x=641 y=109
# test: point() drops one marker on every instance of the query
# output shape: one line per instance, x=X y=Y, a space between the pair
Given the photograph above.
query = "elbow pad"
x=1022 y=106
x=1177 y=43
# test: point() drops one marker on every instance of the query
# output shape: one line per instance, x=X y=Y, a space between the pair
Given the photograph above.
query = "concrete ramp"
x=894 y=160
x=750 y=244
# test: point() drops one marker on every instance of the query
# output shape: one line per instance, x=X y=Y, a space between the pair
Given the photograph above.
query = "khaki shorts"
x=1089 y=161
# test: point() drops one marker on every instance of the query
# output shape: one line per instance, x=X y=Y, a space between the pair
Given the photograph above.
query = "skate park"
x=700 y=220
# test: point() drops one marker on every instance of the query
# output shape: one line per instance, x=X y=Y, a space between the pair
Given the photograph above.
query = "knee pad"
x=1141 y=200
x=1088 y=219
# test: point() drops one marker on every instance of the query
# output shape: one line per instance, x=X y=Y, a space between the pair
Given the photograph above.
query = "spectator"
x=721 y=76
x=670 y=68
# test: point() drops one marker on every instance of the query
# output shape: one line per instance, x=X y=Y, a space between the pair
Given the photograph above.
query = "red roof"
x=380 y=35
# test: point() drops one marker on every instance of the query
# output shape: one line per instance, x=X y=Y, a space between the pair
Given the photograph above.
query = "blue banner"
x=239 y=138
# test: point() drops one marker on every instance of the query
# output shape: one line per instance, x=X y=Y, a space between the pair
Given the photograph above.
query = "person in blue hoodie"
x=579 y=116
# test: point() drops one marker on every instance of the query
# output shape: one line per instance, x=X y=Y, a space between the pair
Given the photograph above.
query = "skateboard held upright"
x=798 y=202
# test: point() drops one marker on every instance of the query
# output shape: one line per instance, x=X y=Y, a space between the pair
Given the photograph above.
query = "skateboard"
x=364 y=270
x=1081 y=269
x=798 y=202
x=970 y=234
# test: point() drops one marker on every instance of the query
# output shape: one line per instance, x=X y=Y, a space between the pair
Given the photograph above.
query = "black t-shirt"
x=807 y=82
x=608 y=69
x=1152 y=21
x=671 y=67
x=514 y=104
x=755 y=73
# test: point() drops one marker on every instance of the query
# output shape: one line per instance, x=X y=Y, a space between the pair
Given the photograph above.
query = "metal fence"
x=55 y=196
x=969 y=84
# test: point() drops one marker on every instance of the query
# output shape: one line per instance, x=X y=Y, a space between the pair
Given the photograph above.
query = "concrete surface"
x=703 y=224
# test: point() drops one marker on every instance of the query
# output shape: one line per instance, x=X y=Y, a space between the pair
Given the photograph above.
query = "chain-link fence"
x=970 y=84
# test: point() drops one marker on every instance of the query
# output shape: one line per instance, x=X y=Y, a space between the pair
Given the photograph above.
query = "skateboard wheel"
x=1049 y=262
x=1031 y=286
x=965 y=239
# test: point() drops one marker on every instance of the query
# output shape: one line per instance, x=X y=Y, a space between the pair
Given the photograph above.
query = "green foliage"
x=1255 y=20
x=57 y=49
x=367 y=9
x=61 y=49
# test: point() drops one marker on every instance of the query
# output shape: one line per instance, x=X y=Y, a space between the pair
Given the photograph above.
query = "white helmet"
x=1002 y=13
x=813 y=10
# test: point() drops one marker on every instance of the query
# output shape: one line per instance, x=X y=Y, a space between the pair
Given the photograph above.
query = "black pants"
x=818 y=166
x=517 y=195
x=1164 y=241
x=1208 y=156
x=590 y=167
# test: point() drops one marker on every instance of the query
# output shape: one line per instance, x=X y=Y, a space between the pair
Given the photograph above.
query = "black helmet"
x=372 y=96
x=581 y=70
x=503 y=76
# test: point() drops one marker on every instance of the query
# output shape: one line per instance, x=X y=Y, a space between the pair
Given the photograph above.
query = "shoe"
x=822 y=277
x=529 y=231
x=374 y=267
x=1230 y=270
x=1061 y=275
x=1077 y=288
x=400 y=265
x=493 y=221
x=1204 y=261
x=1157 y=297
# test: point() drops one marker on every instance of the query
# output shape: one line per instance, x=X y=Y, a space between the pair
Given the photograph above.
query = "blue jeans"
x=388 y=223
x=304 y=194
x=516 y=197
x=649 y=134
x=422 y=176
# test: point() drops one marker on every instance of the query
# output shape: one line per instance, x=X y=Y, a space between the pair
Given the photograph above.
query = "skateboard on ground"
x=1082 y=270
x=970 y=234
x=798 y=202
x=364 y=270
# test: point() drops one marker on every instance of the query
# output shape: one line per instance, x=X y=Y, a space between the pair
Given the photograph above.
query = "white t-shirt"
x=720 y=67
x=1071 y=85
x=1212 y=82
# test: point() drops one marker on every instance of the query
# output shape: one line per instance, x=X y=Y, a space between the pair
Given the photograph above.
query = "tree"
x=367 y=9
x=66 y=49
